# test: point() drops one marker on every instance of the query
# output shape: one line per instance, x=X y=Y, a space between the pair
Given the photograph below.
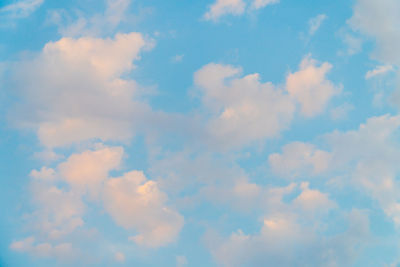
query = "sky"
x=199 y=133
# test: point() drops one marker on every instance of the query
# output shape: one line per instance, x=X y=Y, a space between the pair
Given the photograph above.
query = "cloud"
x=288 y=236
x=57 y=212
x=82 y=24
x=21 y=9
x=223 y=7
x=379 y=70
x=62 y=196
x=310 y=87
x=312 y=200
x=258 y=4
x=299 y=160
x=44 y=173
x=136 y=203
x=61 y=251
x=365 y=158
x=368 y=156
x=234 y=7
x=74 y=91
x=380 y=21
x=315 y=23
x=244 y=110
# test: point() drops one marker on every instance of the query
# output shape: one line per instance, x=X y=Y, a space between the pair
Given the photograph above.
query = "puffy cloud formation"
x=369 y=156
x=291 y=232
x=366 y=158
x=73 y=91
x=244 y=110
x=136 y=203
x=90 y=169
x=379 y=20
x=299 y=159
x=310 y=87
x=234 y=7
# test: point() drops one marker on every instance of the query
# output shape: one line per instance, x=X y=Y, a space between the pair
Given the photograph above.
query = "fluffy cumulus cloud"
x=243 y=109
x=136 y=203
x=299 y=159
x=73 y=90
x=133 y=201
x=288 y=236
x=310 y=87
x=234 y=7
x=366 y=158
x=379 y=21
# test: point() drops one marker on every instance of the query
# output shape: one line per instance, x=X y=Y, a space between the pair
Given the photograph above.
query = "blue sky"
x=199 y=133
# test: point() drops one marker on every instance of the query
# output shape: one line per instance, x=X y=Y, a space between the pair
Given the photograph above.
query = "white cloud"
x=299 y=159
x=258 y=4
x=73 y=90
x=44 y=173
x=57 y=213
x=82 y=24
x=60 y=202
x=46 y=250
x=315 y=23
x=366 y=158
x=379 y=70
x=224 y=7
x=243 y=109
x=21 y=9
x=312 y=200
x=136 y=203
x=310 y=87
x=235 y=7
x=287 y=237
x=90 y=169
x=379 y=20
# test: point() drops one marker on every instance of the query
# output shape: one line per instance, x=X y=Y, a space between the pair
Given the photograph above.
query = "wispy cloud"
x=21 y=9
x=315 y=23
